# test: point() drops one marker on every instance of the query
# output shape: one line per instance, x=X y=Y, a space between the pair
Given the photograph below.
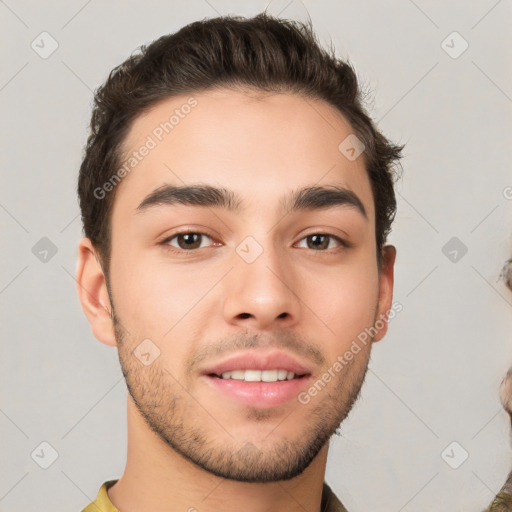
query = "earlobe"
x=385 y=291
x=93 y=293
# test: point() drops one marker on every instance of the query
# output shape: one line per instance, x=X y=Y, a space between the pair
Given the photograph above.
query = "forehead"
x=259 y=145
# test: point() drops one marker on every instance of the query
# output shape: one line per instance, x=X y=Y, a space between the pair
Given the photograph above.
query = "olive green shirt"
x=102 y=503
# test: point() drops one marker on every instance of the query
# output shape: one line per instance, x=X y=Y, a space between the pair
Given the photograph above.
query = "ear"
x=93 y=293
x=385 y=291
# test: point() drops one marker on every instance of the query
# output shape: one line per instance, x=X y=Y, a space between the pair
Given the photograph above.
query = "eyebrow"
x=307 y=198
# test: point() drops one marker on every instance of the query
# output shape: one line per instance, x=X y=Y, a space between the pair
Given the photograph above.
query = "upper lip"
x=259 y=361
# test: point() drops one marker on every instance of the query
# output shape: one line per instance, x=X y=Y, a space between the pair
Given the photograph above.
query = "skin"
x=200 y=307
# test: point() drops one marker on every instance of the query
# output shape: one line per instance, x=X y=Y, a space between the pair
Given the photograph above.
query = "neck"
x=158 y=479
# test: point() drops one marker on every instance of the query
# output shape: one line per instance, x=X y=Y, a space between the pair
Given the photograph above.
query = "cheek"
x=345 y=300
x=158 y=299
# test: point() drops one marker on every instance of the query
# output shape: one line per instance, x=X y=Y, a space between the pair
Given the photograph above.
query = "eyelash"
x=344 y=244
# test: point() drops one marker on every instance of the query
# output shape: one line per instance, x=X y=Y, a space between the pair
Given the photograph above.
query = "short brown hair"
x=264 y=53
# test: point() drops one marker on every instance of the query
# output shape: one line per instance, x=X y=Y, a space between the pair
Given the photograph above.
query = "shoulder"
x=102 y=501
x=330 y=502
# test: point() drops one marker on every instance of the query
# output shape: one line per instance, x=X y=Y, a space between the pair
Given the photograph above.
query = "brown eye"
x=322 y=241
x=187 y=241
x=318 y=242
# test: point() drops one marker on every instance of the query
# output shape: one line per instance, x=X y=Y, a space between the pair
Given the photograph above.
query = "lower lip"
x=260 y=394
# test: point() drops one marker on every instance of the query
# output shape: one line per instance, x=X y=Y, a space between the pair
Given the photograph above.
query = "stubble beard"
x=160 y=400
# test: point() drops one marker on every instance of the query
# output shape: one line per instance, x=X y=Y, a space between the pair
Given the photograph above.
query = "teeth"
x=253 y=375
x=281 y=374
x=269 y=375
x=259 y=375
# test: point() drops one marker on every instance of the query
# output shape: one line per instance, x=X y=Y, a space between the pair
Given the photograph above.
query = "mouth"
x=259 y=380
x=253 y=366
x=276 y=375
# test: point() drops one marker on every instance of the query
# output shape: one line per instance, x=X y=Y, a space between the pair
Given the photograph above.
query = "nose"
x=261 y=295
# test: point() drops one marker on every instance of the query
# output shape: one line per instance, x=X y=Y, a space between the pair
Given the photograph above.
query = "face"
x=244 y=273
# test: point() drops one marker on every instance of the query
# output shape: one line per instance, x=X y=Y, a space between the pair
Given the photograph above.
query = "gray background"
x=433 y=380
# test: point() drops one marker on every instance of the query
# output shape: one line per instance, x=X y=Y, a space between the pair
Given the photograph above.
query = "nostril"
x=244 y=315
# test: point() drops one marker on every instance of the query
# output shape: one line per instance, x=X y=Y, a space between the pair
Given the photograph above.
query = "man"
x=236 y=200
